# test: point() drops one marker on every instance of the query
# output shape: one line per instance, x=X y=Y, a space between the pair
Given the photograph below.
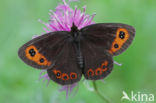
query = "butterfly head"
x=74 y=28
x=75 y=32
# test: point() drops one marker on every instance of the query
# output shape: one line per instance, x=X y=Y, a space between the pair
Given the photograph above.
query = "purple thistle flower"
x=64 y=16
x=44 y=75
x=68 y=89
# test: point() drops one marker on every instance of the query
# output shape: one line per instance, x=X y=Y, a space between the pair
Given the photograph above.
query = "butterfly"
x=68 y=55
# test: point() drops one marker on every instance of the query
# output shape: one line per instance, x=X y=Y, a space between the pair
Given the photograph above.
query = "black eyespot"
x=65 y=77
x=32 y=52
x=116 y=45
x=58 y=74
x=73 y=76
x=103 y=66
x=41 y=60
x=122 y=34
x=90 y=73
x=98 y=71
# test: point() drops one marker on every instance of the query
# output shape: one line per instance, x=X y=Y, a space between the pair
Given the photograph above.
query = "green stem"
x=98 y=93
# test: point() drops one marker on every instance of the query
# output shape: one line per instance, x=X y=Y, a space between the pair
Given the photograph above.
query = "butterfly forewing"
x=42 y=51
x=113 y=37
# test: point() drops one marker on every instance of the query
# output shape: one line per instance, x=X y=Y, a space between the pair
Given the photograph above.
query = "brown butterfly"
x=88 y=51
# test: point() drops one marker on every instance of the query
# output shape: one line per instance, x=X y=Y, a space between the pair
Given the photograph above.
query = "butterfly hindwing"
x=42 y=51
x=113 y=37
x=98 y=63
x=66 y=70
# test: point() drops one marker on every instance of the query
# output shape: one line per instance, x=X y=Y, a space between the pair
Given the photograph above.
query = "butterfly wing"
x=66 y=70
x=113 y=37
x=100 y=43
x=42 y=51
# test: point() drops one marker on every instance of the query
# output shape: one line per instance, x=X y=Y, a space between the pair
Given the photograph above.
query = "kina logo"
x=140 y=97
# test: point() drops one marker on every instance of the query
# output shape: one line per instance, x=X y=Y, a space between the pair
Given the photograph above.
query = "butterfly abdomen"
x=80 y=61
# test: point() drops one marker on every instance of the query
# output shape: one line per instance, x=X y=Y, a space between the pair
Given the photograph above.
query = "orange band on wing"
x=122 y=36
x=104 y=64
x=32 y=54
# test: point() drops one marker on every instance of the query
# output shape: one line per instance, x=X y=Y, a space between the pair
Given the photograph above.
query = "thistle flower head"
x=64 y=16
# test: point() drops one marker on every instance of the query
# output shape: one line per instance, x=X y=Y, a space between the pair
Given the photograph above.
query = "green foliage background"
x=18 y=23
